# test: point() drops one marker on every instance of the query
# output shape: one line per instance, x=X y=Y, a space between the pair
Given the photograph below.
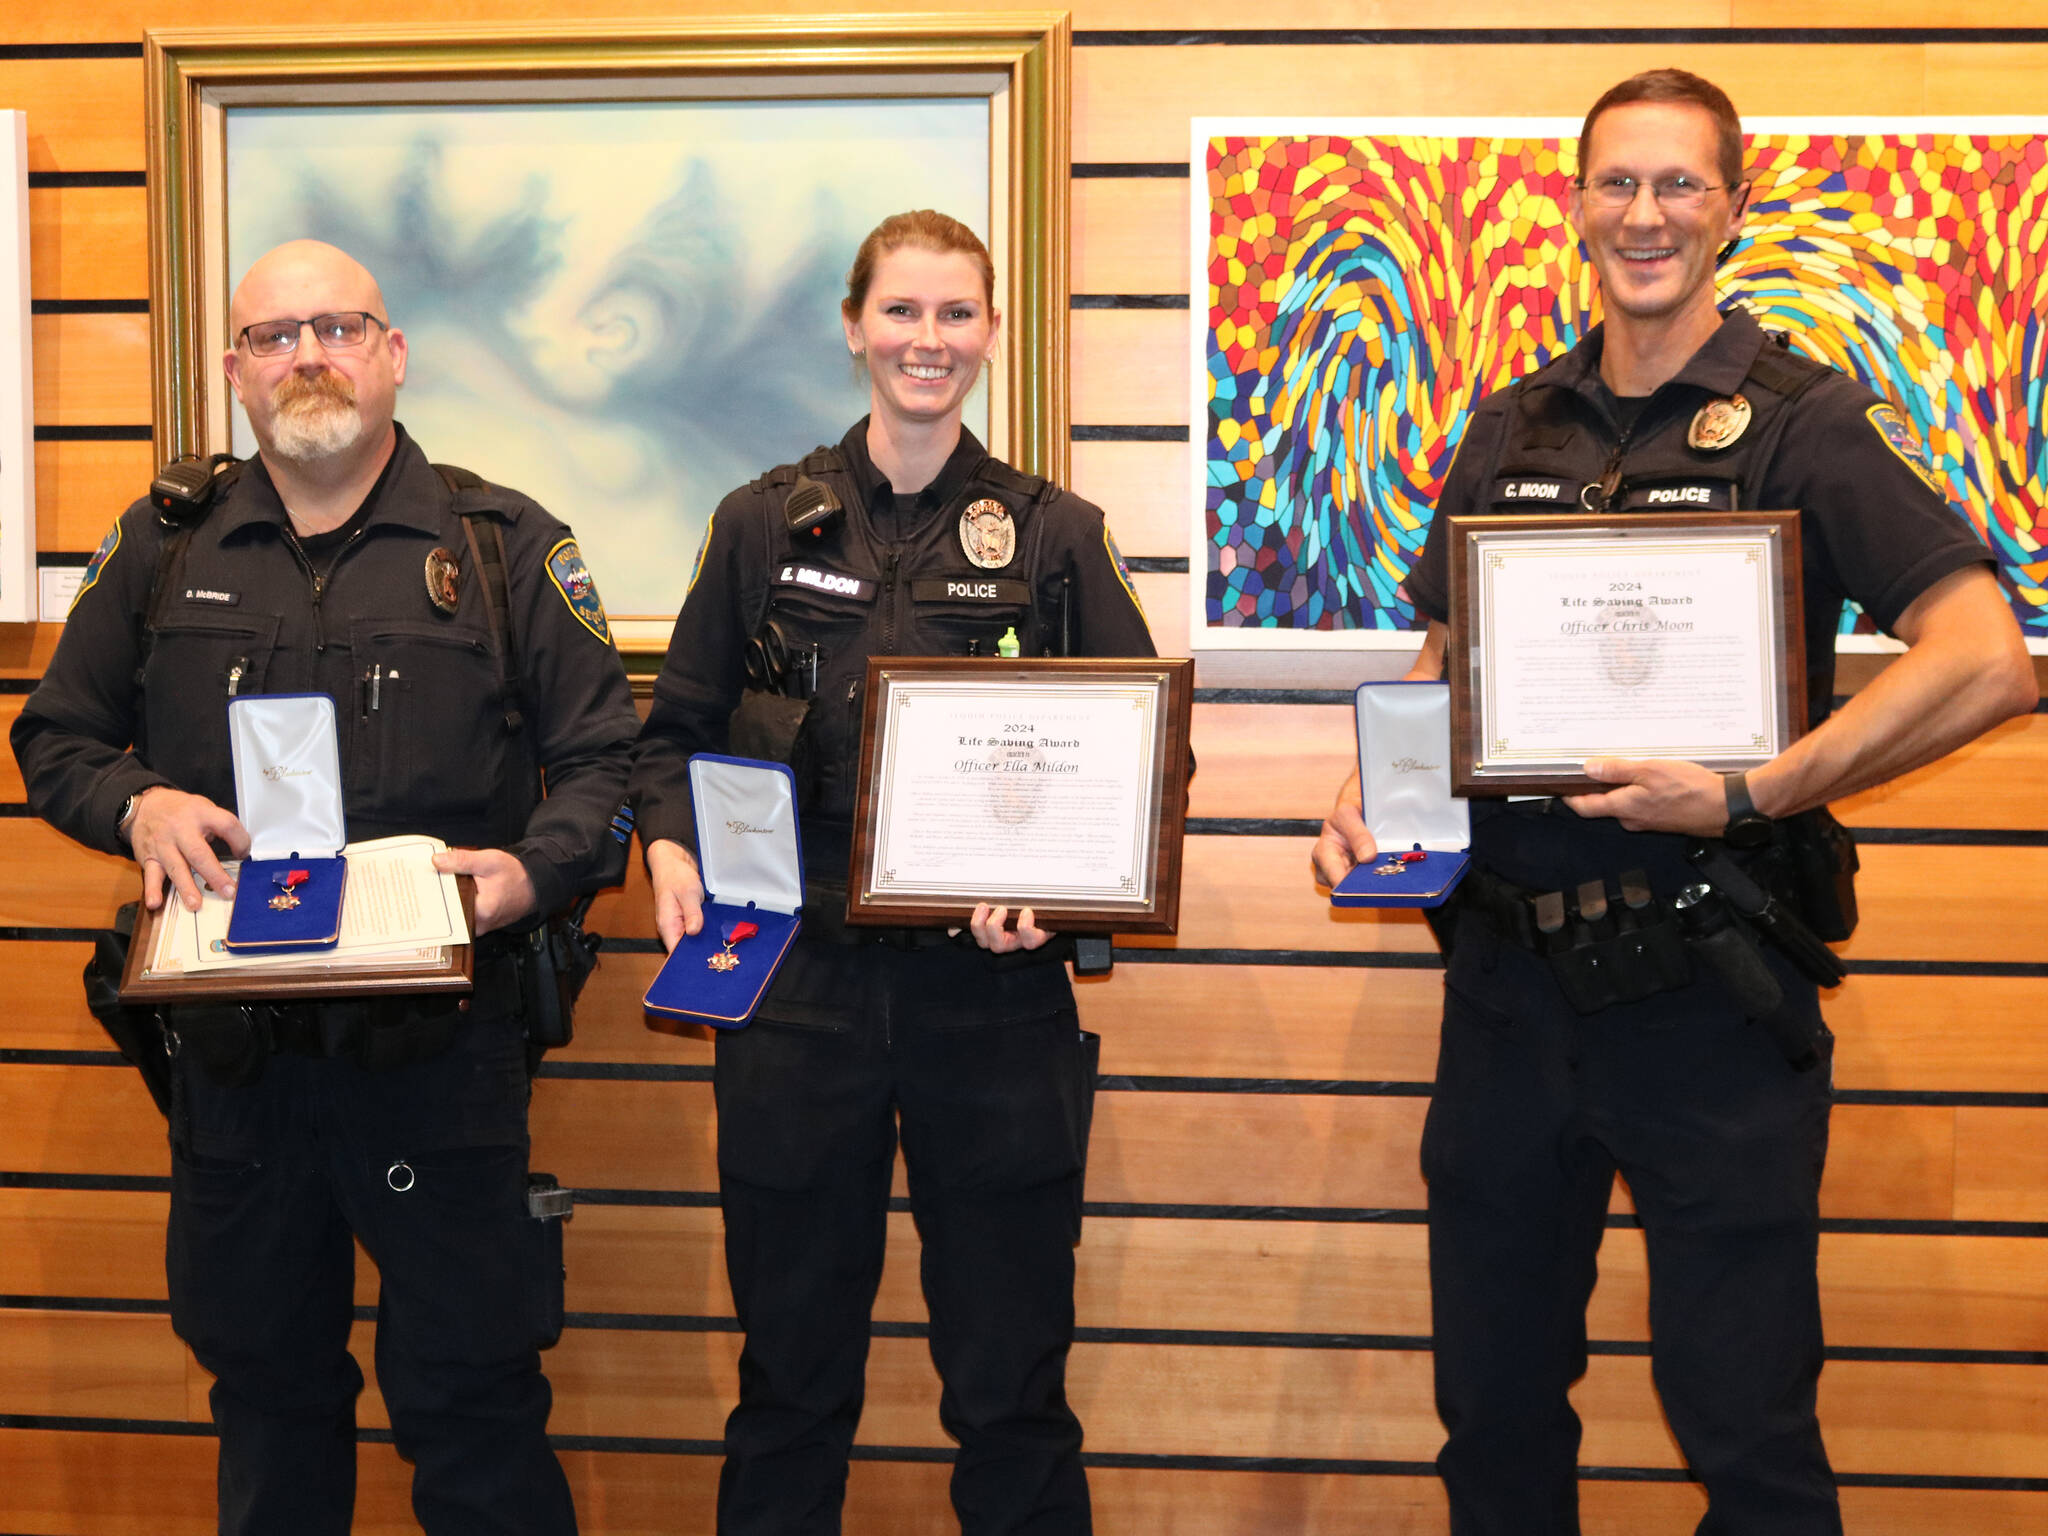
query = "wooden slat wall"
x=1253 y=1280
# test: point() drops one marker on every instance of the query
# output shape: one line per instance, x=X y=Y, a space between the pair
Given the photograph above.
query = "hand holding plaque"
x=1058 y=785
x=1639 y=636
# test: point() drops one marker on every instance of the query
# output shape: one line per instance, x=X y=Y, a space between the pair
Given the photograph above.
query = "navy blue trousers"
x=272 y=1184
x=1722 y=1143
x=983 y=1067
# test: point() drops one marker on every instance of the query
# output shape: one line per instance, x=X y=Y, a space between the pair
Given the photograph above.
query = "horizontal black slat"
x=88 y=306
x=93 y=434
x=1128 y=301
x=1127 y=434
x=1118 y=170
x=39 y=181
x=70 y=50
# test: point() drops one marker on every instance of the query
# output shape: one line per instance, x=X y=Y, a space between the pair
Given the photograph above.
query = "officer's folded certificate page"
x=397 y=912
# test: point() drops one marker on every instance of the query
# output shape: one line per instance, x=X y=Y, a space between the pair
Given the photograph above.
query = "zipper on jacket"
x=319 y=582
x=889 y=597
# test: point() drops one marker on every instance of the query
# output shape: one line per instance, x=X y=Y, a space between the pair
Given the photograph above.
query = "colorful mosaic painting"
x=1364 y=288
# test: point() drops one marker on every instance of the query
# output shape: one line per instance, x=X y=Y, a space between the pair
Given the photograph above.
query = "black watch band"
x=1747 y=826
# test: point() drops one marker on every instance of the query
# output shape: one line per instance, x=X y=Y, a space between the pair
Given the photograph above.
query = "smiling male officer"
x=1544 y=1091
x=339 y=562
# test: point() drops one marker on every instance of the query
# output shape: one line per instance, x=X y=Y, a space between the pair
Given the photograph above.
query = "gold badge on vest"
x=444 y=580
x=1718 y=424
x=987 y=534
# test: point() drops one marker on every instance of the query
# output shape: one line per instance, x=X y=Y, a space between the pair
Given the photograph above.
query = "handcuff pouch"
x=750 y=855
x=1404 y=779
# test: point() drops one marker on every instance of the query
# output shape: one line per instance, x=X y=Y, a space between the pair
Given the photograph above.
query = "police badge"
x=1718 y=424
x=444 y=580
x=987 y=534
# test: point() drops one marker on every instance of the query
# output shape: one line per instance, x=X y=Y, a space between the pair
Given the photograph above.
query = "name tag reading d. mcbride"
x=1056 y=784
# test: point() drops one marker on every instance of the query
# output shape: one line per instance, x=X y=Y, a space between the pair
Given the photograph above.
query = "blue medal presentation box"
x=750 y=855
x=1404 y=777
x=288 y=794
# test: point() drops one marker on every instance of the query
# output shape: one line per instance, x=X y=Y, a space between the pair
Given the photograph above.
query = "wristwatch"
x=1747 y=826
x=127 y=815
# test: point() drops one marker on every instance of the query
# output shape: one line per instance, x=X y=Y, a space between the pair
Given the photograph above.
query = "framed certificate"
x=1059 y=785
x=1676 y=635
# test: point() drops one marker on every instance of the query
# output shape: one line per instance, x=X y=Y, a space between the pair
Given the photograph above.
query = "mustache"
x=310 y=391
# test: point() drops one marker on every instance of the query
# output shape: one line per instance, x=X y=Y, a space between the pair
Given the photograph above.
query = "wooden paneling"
x=1965 y=81
x=1134 y=103
x=1130 y=367
x=92 y=370
x=124 y=20
x=1895 y=1161
x=1256 y=893
x=1130 y=235
x=1956 y=1420
x=2000 y=1176
x=83 y=114
x=82 y=487
x=1141 y=487
x=88 y=242
x=1879 y=1290
x=101 y=1365
x=149 y=1486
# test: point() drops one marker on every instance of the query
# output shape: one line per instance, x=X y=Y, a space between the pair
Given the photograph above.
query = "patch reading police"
x=444 y=580
x=1681 y=496
x=572 y=579
x=987 y=534
x=1899 y=436
x=1718 y=423
x=96 y=564
x=1123 y=574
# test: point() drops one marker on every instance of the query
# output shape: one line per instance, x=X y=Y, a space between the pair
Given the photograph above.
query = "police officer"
x=336 y=562
x=1537 y=1104
x=931 y=547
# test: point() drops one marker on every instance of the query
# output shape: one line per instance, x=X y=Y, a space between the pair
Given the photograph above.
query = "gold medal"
x=444 y=580
x=1718 y=424
x=987 y=534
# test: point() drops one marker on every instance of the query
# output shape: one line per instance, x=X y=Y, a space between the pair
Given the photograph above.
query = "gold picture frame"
x=1019 y=63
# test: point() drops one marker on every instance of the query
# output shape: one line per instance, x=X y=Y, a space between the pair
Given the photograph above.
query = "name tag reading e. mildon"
x=1056 y=784
x=1638 y=635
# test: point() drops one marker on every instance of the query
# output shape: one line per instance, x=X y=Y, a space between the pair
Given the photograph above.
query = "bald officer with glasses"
x=338 y=562
x=1553 y=1075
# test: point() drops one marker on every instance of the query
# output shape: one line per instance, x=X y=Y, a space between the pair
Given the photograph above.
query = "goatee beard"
x=313 y=416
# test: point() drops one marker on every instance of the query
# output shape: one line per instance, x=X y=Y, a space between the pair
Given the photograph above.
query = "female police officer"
x=906 y=538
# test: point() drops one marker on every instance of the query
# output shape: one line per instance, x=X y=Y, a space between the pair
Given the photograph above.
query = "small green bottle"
x=1008 y=646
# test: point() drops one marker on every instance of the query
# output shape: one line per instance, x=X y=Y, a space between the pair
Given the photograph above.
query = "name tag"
x=212 y=595
x=812 y=578
x=970 y=589
x=1544 y=489
x=1693 y=496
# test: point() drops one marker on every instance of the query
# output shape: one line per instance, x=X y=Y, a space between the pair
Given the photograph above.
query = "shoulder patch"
x=1123 y=574
x=572 y=579
x=96 y=564
x=1899 y=436
x=697 y=565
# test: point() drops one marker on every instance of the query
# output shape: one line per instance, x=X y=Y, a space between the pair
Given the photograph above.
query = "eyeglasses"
x=1670 y=191
x=336 y=332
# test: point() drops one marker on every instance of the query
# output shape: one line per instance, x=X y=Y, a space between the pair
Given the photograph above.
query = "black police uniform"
x=1536 y=1106
x=980 y=1056
x=279 y=1166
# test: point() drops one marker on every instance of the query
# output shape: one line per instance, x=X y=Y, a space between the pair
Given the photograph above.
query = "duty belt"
x=1606 y=941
